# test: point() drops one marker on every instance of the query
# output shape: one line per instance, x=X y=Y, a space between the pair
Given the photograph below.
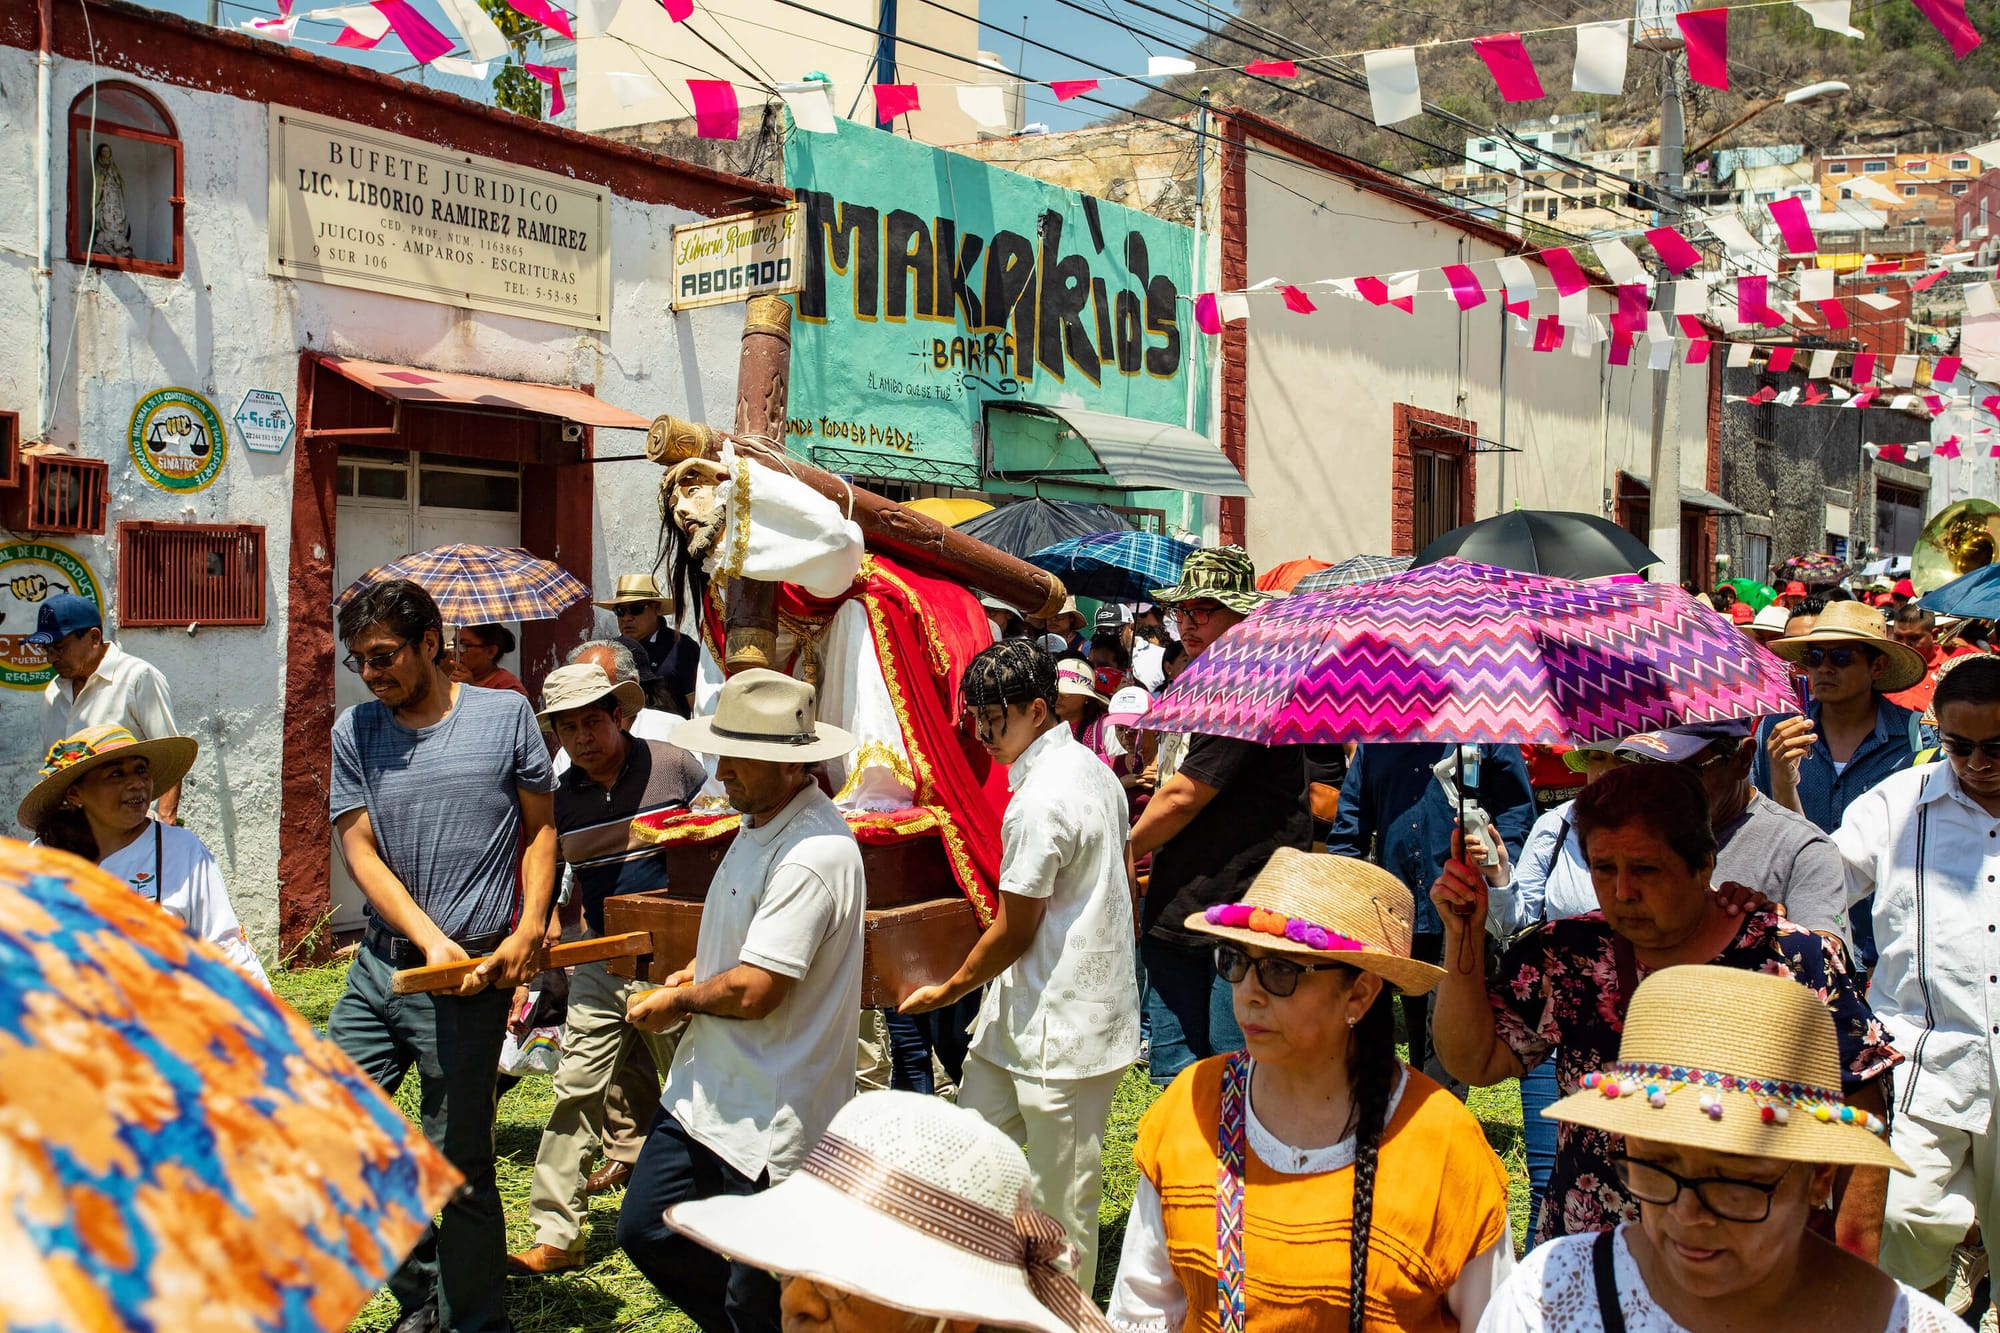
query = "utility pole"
x=1664 y=510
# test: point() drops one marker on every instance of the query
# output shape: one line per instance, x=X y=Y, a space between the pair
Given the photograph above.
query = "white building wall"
x=225 y=327
x=1322 y=388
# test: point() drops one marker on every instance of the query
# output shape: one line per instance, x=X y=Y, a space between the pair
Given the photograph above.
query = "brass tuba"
x=1960 y=539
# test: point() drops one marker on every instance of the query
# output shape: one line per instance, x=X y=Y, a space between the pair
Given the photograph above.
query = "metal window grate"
x=58 y=494
x=182 y=574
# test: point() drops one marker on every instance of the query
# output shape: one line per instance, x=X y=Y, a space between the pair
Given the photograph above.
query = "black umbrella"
x=1545 y=541
x=1027 y=526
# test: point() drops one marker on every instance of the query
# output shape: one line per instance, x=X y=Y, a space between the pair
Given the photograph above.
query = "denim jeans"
x=1189 y=1009
x=1538 y=1090
x=454 y=1043
x=720 y=1296
x=914 y=1038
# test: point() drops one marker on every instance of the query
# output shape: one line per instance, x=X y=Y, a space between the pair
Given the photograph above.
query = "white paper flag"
x=1876 y=301
x=984 y=104
x=1690 y=296
x=1903 y=371
x=1656 y=327
x=1592 y=332
x=482 y=36
x=593 y=17
x=1233 y=307
x=1517 y=277
x=278 y=30
x=1800 y=315
x=367 y=20
x=1392 y=85
x=1979 y=300
x=1815 y=284
x=1619 y=262
x=1832 y=15
x=1523 y=335
x=464 y=69
x=1577 y=346
x=632 y=89
x=1660 y=354
x=1821 y=365
x=1574 y=309
x=1989 y=152
x=1402 y=285
x=811 y=105
x=1159 y=67
x=1739 y=355
x=1601 y=49
x=1735 y=237
x=1863 y=188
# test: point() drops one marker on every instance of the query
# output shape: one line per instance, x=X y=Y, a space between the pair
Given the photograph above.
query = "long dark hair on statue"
x=1371 y=1082
x=687 y=581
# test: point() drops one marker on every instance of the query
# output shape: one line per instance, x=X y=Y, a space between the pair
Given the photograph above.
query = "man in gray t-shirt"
x=436 y=790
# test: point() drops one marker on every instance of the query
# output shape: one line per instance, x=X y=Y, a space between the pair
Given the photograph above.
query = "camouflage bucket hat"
x=1222 y=574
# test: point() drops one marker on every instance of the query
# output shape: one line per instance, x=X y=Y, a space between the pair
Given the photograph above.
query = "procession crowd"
x=1747 y=974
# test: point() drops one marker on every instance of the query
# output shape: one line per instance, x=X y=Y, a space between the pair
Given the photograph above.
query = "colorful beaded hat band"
x=1775 y=1098
x=1242 y=916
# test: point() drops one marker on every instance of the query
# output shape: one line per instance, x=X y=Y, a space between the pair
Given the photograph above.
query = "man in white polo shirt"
x=772 y=999
x=99 y=684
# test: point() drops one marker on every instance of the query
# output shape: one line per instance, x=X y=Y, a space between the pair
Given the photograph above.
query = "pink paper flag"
x=424 y=41
x=1563 y=268
x=1207 y=315
x=1994 y=452
x=1673 y=249
x=1926 y=282
x=1506 y=57
x=1373 y=290
x=715 y=113
x=1763 y=395
x=1750 y=303
x=1991 y=402
x=1548 y=333
x=1698 y=350
x=1948 y=448
x=355 y=39
x=1813 y=396
x=1296 y=300
x=1621 y=350
x=1691 y=326
x=680 y=11
x=1893 y=453
x=1790 y=215
x=1273 y=69
x=1781 y=360
x=544 y=13
x=1935 y=404
x=1948 y=17
x=893 y=100
x=1707 y=34
x=1465 y=288
x=1945 y=369
x=552 y=76
x=1630 y=317
x=1064 y=89
x=1834 y=312
x=1864 y=368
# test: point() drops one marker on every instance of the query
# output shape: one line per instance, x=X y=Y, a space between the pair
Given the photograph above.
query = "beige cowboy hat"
x=1336 y=908
x=912 y=1203
x=169 y=758
x=636 y=588
x=1075 y=677
x=1856 y=622
x=765 y=715
x=582 y=684
x=1733 y=1061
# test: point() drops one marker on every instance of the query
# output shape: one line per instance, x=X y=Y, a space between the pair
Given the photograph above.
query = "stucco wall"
x=1322 y=388
x=225 y=327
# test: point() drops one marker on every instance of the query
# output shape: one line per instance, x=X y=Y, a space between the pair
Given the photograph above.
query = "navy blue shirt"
x=1392 y=801
x=1824 y=795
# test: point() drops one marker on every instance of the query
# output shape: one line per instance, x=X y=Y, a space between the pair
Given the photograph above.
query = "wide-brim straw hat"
x=581 y=684
x=1732 y=1061
x=1854 y=622
x=912 y=1203
x=1773 y=617
x=1074 y=677
x=635 y=588
x=767 y=715
x=1332 y=908
x=168 y=758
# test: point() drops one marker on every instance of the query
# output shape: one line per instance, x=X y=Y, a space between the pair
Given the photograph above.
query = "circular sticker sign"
x=177 y=440
x=30 y=574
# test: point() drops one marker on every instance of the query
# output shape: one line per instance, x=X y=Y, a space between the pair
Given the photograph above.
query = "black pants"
x=720 y=1296
x=1417 y=1008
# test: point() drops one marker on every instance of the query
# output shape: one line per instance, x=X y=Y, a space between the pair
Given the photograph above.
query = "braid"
x=1371 y=1081
x=1012 y=671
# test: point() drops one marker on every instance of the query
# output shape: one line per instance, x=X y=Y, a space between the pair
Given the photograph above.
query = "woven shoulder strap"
x=1229 y=1174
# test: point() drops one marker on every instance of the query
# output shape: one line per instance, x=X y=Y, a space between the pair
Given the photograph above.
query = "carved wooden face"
x=693 y=508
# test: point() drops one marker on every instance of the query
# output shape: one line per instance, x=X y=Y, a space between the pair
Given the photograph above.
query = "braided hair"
x=1012 y=671
x=1371 y=1082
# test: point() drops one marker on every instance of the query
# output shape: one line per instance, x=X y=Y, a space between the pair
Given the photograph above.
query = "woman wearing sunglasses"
x=1725 y=1103
x=1313 y=1180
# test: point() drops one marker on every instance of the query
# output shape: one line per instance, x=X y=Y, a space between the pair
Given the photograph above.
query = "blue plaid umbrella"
x=1115 y=566
x=479 y=585
x=1354 y=569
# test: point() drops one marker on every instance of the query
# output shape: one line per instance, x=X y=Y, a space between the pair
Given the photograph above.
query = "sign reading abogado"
x=736 y=258
x=361 y=207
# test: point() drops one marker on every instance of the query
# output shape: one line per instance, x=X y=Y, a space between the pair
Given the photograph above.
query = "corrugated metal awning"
x=408 y=384
x=1153 y=454
x=1693 y=497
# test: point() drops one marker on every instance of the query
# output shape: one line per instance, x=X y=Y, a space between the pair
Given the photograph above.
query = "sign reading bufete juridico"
x=361 y=207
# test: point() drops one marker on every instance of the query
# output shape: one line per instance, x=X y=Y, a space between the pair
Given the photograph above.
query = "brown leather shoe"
x=611 y=1176
x=542 y=1260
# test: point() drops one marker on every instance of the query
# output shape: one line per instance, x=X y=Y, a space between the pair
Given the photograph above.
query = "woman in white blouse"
x=1727 y=1095
x=95 y=801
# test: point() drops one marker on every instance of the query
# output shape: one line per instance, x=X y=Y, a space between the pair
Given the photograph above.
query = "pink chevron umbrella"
x=1456 y=651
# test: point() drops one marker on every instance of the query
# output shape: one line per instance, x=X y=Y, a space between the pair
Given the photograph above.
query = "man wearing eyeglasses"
x=1851 y=736
x=1924 y=846
x=435 y=789
x=642 y=611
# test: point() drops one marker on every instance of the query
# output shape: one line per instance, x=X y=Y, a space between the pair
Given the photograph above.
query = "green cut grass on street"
x=609 y=1296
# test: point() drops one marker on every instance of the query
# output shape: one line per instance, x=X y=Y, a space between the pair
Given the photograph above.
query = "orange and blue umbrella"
x=1116 y=566
x=1456 y=651
x=480 y=585
x=179 y=1149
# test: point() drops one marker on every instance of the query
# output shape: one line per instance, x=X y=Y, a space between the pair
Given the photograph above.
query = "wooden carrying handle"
x=447 y=976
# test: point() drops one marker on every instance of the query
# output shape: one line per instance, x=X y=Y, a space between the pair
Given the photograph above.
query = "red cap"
x=1794 y=589
x=1904 y=588
x=1882 y=599
x=1741 y=613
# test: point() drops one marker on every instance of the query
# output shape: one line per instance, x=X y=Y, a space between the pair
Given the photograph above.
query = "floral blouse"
x=1558 y=993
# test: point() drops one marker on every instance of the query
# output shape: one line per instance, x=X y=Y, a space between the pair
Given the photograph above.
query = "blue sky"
x=1050 y=22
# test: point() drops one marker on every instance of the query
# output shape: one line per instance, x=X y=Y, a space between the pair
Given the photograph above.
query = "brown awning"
x=409 y=384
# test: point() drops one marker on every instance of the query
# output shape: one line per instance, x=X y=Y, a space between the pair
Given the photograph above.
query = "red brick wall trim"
x=1235 y=340
x=1439 y=433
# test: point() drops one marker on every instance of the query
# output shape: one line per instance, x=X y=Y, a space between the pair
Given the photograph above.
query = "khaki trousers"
x=1957 y=1182
x=596 y=1039
x=1060 y=1123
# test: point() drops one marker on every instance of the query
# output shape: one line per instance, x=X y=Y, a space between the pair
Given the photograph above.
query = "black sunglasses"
x=374 y=661
x=1840 y=658
x=1962 y=748
x=1278 y=976
x=1731 y=1200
